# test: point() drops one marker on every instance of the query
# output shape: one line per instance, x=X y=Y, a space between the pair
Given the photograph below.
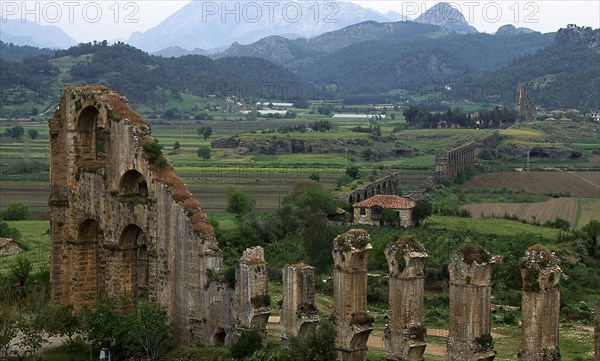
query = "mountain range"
x=208 y=25
x=20 y=32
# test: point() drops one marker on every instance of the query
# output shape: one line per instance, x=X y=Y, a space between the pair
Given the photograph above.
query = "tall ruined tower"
x=540 y=305
x=469 y=331
x=121 y=220
x=298 y=312
x=405 y=332
x=350 y=258
x=526 y=107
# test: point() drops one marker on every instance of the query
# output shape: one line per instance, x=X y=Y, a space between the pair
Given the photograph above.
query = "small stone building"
x=370 y=211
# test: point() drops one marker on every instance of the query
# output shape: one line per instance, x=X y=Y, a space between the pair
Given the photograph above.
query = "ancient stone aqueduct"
x=448 y=163
x=122 y=221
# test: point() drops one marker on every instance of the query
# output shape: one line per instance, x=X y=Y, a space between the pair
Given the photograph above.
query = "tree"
x=16 y=133
x=204 y=152
x=32 y=133
x=310 y=196
x=15 y=212
x=238 y=202
x=422 y=210
x=205 y=131
x=592 y=229
x=170 y=113
x=176 y=146
x=352 y=172
x=149 y=328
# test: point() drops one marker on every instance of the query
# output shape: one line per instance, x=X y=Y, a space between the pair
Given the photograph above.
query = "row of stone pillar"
x=469 y=332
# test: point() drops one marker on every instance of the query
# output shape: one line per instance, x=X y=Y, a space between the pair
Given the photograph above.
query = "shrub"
x=352 y=172
x=239 y=202
x=9 y=232
x=15 y=212
x=153 y=152
x=261 y=300
x=248 y=344
x=21 y=269
x=316 y=344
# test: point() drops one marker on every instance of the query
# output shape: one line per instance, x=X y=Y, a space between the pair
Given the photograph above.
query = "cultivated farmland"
x=565 y=208
x=570 y=184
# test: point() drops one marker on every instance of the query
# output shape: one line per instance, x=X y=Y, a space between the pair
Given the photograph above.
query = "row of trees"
x=424 y=118
x=17 y=132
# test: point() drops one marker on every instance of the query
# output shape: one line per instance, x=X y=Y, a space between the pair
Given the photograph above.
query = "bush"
x=352 y=172
x=248 y=344
x=204 y=152
x=239 y=202
x=21 y=269
x=316 y=344
x=15 y=212
x=9 y=232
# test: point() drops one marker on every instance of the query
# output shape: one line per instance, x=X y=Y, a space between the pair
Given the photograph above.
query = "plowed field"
x=565 y=208
x=575 y=184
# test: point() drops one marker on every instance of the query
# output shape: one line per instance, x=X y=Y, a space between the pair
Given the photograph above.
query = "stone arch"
x=133 y=263
x=86 y=133
x=133 y=183
x=85 y=278
x=219 y=337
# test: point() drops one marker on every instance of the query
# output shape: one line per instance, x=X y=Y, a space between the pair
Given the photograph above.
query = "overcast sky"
x=112 y=20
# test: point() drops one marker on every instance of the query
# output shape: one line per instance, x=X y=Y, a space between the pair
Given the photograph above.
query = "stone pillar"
x=405 y=333
x=469 y=331
x=597 y=331
x=253 y=301
x=298 y=312
x=540 y=305
x=350 y=258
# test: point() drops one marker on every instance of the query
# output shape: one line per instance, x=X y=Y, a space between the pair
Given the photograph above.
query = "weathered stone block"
x=351 y=256
x=540 y=305
x=298 y=312
x=469 y=331
x=405 y=333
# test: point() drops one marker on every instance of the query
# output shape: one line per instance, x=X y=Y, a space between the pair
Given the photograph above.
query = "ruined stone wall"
x=298 y=312
x=469 y=331
x=540 y=306
x=350 y=257
x=386 y=185
x=122 y=223
x=405 y=332
x=450 y=163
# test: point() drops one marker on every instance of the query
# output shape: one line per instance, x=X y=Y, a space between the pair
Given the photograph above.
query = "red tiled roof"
x=386 y=201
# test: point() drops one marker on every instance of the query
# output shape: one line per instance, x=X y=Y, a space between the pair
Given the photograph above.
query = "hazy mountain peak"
x=448 y=17
x=208 y=25
x=28 y=33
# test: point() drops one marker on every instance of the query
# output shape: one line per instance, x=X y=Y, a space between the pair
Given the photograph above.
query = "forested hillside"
x=563 y=75
x=402 y=62
x=144 y=78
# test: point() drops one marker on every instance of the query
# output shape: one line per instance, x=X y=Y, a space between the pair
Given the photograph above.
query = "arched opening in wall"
x=86 y=133
x=219 y=338
x=133 y=261
x=133 y=184
x=84 y=280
